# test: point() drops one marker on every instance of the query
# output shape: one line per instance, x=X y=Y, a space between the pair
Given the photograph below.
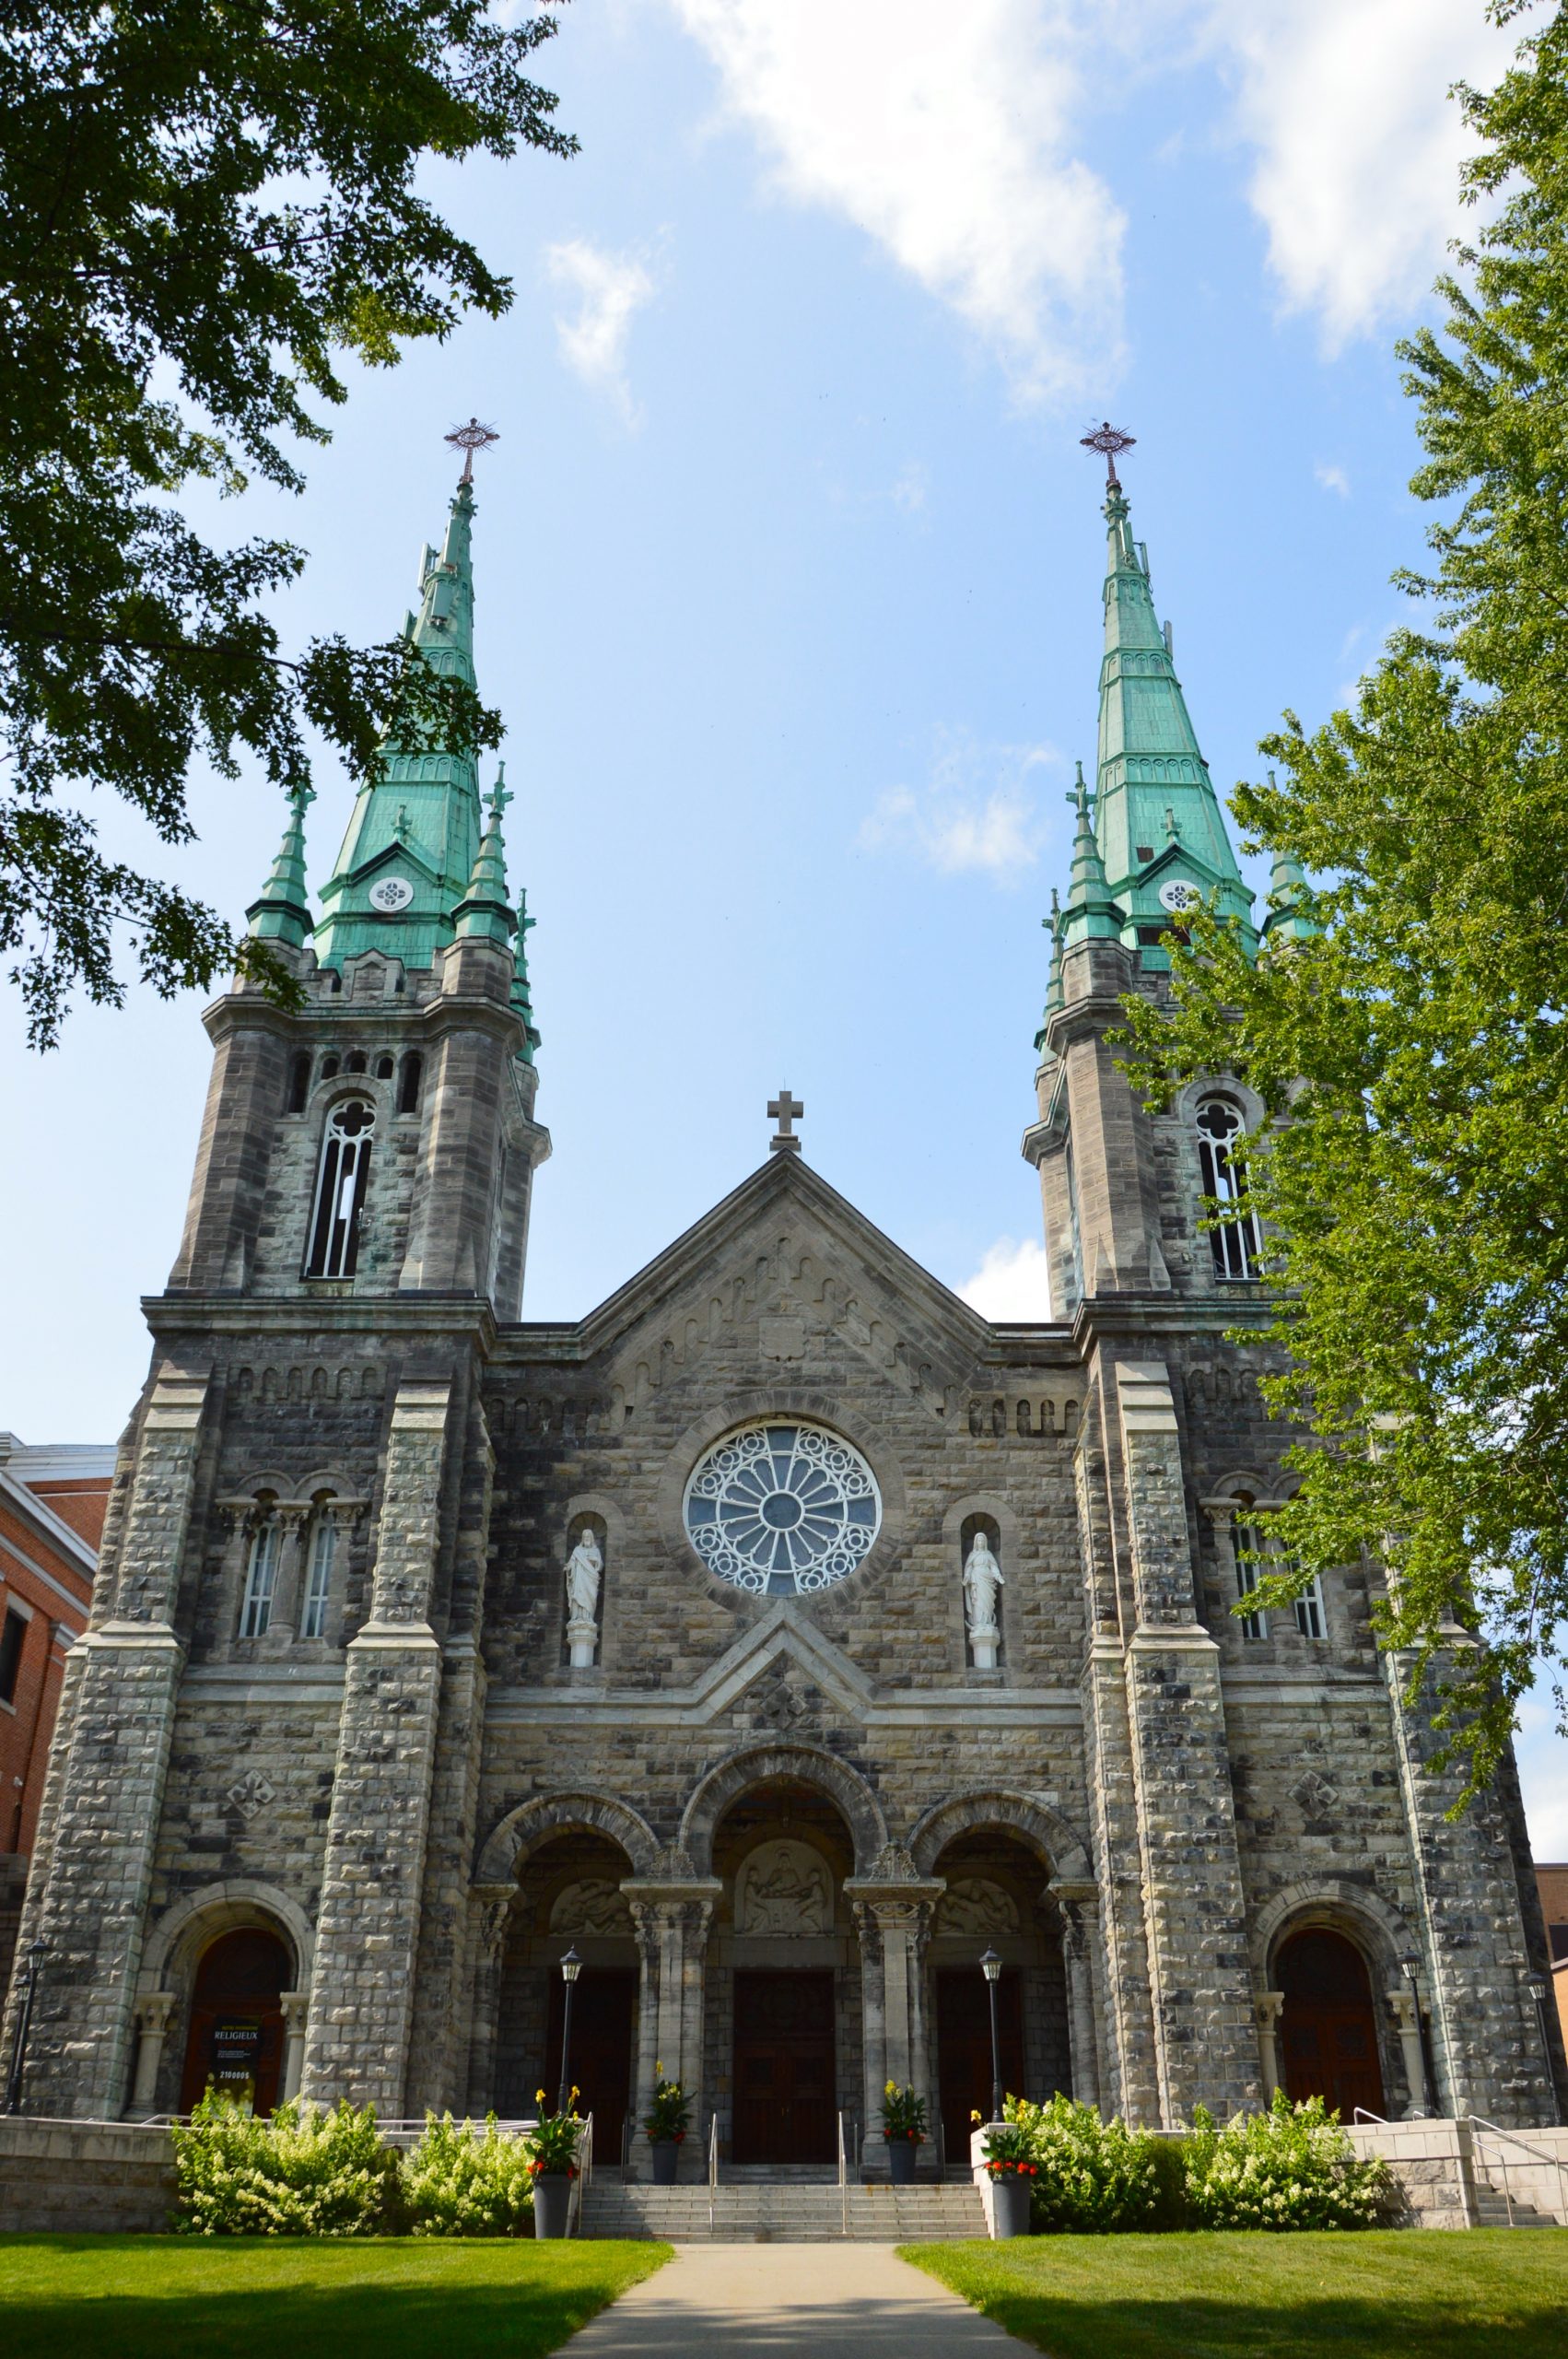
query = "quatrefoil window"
x=782 y=1507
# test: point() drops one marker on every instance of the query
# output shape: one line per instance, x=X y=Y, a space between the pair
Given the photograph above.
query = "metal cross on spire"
x=469 y=439
x=1110 y=440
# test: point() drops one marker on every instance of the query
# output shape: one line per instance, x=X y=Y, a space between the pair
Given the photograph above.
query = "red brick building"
x=52 y=1508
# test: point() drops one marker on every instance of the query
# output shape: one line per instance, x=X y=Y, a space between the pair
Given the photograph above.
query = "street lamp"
x=571 y=1967
x=1410 y=1964
x=36 y=1952
x=1539 y=1987
x=990 y=1966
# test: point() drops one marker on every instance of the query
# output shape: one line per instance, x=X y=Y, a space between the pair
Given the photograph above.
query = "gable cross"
x=783 y=1111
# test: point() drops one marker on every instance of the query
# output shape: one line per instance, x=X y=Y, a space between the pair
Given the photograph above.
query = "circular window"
x=782 y=1509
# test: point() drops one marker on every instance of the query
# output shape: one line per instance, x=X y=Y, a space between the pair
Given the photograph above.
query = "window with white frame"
x=1249 y=1544
x=317 y=1577
x=1309 y=1611
x=340 y=1190
x=261 y=1578
x=1234 y=1239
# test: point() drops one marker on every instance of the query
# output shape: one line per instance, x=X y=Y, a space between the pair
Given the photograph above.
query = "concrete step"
x=1492 y=2211
x=784 y=2214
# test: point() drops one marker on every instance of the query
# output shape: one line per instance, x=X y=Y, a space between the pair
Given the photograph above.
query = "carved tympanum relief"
x=593 y=1905
x=974 y=1904
x=784 y=1888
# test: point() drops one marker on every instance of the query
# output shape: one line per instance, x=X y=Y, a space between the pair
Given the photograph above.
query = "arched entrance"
x=569 y=1898
x=235 y=2042
x=993 y=1901
x=1327 y=2026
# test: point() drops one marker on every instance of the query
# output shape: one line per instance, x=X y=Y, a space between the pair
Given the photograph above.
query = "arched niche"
x=791 y=1765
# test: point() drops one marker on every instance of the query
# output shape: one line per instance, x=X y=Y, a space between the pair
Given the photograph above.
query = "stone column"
x=1267 y=2009
x=1407 y=2016
x=1079 y=1904
x=357 y=2042
x=109 y=1773
x=296 y=2005
x=291 y=1516
x=491 y=1905
x=152 y=2022
x=893 y=1917
x=672 y=1921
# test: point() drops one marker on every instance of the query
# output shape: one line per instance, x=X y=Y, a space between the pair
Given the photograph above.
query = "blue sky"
x=789 y=569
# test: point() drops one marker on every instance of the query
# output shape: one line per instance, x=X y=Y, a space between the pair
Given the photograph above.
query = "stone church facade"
x=345 y=1760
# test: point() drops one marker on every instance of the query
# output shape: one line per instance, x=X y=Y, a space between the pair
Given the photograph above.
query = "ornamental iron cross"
x=469 y=439
x=783 y=1111
x=1110 y=440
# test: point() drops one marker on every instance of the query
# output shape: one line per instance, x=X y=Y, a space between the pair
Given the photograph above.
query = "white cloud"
x=909 y=492
x=1011 y=1282
x=945 y=134
x=1358 y=143
x=975 y=812
x=1334 y=479
x=611 y=288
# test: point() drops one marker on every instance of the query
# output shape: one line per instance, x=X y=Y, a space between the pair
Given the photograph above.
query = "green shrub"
x=1093 y=2176
x=305 y=2172
x=903 y=2113
x=1290 y=2167
x=461 y=2182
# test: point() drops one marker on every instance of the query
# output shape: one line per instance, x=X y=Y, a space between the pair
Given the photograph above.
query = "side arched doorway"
x=1329 y=2025
x=235 y=2042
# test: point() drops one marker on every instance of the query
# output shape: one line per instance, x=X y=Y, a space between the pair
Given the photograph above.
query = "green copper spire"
x=283 y=912
x=1054 y=994
x=521 y=999
x=1287 y=921
x=1091 y=915
x=413 y=840
x=1157 y=817
x=484 y=909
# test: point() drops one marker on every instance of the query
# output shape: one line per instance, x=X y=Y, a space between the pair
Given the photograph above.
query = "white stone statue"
x=982 y=1583
x=584 y=1567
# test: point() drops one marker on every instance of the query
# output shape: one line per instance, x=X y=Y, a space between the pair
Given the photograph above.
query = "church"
x=778 y=1638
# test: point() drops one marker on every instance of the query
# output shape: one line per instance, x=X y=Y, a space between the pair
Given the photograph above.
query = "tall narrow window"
x=1249 y=1540
x=318 y=1582
x=1233 y=1241
x=1309 y=1611
x=261 y=1581
x=13 y=1638
x=408 y=1084
x=298 y=1083
x=340 y=1190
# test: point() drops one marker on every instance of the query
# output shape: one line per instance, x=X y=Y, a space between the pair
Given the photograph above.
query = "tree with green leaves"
x=1410 y=1041
x=204 y=205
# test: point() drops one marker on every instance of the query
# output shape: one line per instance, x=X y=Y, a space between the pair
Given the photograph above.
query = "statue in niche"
x=982 y=1585
x=585 y=1568
x=784 y=1888
x=593 y=1905
x=974 y=1904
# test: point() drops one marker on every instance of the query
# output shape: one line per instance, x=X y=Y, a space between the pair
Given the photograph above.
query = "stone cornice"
x=465 y=1318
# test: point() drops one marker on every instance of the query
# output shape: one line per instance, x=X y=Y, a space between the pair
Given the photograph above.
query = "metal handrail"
x=1363 y=2113
x=1477 y=2121
x=584 y=2173
x=712 y=2169
x=843 y=2178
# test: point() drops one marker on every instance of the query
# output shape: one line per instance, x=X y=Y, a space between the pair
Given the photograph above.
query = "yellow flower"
x=659 y=2068
x=575 y=2092
x=889 y=2088
x=539 y=2096
x=975 y=2116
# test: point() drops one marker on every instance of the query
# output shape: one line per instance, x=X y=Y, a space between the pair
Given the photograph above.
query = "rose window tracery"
x=782 y=1507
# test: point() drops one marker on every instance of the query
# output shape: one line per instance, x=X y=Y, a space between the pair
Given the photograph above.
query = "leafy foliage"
x=305 y=2172
x=554 y=2140
x=903 y=2113
x=1417 y=1041
x=1092 y=2175
x=202 y=206
x=1290 y=2167
x=670 y=2113
x=461 y=2182
x=1008 y=2149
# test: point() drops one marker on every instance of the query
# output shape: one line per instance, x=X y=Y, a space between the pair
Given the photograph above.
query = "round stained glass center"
x=782 y=1509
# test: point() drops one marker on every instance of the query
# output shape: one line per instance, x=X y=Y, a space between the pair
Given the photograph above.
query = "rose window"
x=782 y=1509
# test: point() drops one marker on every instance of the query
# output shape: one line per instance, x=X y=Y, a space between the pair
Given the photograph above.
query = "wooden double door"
x=1327 y=2026
x=963 y=2048
x=603 y=2014
x=235 y=2042
x=784 y=2077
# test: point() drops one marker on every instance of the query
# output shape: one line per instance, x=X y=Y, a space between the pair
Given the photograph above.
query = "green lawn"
x=257 y=2298
x=1483 y=2294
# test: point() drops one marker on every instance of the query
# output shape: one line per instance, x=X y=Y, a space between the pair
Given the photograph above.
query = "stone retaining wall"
x=76 y=2178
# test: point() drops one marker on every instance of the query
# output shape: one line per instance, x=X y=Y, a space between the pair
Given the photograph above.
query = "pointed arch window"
x=261 y=1578
x=1233 y=1240
x=340 y=1190
x=317 y=1577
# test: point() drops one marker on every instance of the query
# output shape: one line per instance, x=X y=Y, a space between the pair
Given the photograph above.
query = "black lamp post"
x=1539 y=1987
x=990 y=1966
x=571 y=1967
x=1410 y=1962
x=36 y=1952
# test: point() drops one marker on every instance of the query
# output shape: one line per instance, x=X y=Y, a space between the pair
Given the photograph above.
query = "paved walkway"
x=827 y=2301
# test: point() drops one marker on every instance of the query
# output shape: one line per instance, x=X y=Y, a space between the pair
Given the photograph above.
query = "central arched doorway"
x=1328 y=2024
x=994 y=1901
x=235 y=2042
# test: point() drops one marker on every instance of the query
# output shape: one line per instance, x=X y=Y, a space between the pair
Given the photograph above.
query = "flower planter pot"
x=901 y=2158
x=666 y=2154
x=551 y=2202
x=1010 y=2206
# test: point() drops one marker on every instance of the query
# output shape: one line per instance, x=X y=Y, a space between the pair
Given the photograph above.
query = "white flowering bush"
x=305 y=2172
x=459 y=2181
x=1091 y=2176
x=1290 y=2167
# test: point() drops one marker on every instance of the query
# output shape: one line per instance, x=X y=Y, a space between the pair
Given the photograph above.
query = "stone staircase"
x=1493 y=2208
x=784 y=2211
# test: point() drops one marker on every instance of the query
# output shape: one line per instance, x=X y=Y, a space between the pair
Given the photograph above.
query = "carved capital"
x=154 y=2011
x=494 y=1902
